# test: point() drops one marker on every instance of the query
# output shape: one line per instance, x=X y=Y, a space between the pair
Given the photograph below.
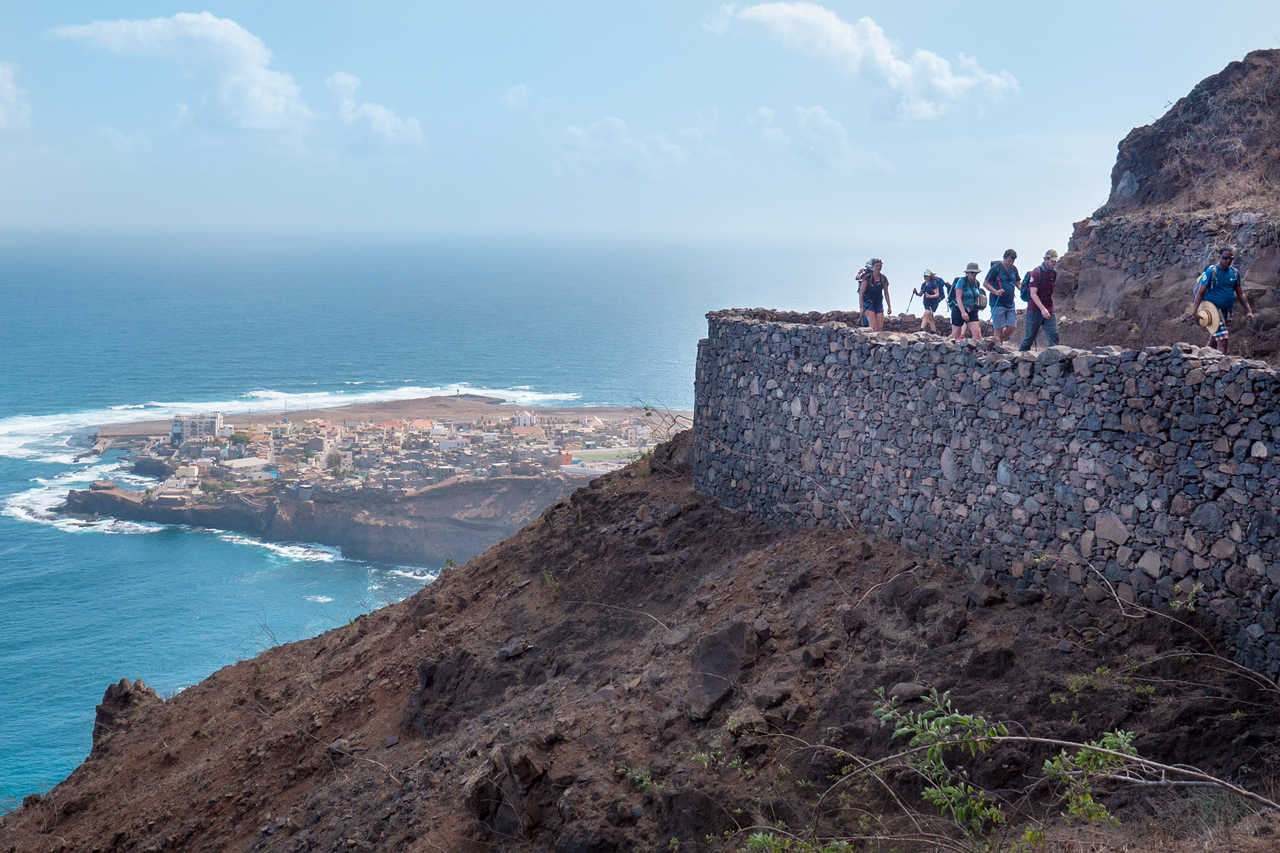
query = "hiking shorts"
x=874 y=304
x=1222 y=332
x=1002 y=317
x=931 y=305
x=956 y=319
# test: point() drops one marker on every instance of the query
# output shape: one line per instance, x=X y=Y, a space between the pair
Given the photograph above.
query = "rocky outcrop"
x=151 y=466
x=1203 y=176
x=122 y=704
x=452 y=521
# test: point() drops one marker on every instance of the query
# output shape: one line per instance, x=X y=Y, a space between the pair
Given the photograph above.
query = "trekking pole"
x=909 y=301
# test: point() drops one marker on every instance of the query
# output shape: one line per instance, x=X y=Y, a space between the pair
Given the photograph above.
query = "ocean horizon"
x=101 y=329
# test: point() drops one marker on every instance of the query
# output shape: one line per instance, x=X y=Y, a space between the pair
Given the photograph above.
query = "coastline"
x=419 y=526
x=454 y=520
x=445 y=407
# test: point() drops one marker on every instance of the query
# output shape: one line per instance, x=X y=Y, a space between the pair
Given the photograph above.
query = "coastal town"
x=206 y=456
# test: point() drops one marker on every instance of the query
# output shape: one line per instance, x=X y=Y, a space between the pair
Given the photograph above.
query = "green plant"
x=707 y=759
x=550 y=581
x=642 y=778
x=931 y=732
x=768 y=842
x=1075 y=770
x=1187 y=601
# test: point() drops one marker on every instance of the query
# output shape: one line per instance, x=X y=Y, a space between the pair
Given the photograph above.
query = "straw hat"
x=1207 y=315
x=928 y=273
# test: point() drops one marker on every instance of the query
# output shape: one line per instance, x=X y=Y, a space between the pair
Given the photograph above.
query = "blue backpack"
x=1024 y=292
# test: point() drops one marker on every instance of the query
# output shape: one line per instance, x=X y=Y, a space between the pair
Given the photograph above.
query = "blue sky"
x=880 y=126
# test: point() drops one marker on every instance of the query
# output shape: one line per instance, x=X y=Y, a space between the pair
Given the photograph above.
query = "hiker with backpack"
x=1220 y=286
x=1037 y=291
x=859 y=278
x=873 y=294
x=931 y=289
x=964 y=299
x=1001 y=281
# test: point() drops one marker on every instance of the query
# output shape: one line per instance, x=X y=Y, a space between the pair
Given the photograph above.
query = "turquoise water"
x=98 y=329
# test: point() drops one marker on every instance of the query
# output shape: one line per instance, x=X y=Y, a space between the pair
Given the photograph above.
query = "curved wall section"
x=1155 y=468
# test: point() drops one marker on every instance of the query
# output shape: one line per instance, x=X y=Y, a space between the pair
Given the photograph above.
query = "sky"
x=925 y=130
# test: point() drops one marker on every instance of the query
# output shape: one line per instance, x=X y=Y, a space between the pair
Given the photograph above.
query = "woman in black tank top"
x=873 y=294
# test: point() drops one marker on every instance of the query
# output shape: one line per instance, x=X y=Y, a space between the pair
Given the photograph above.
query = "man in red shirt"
x=1040 y=282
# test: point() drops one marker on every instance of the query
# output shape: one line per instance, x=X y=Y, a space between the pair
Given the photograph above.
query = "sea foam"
x=307 y=553
x=38 y=503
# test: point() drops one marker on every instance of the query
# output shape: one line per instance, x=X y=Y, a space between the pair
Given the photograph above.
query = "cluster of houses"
x=207 y=454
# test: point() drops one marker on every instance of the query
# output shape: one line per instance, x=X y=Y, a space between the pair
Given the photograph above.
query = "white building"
x=526 y=418
x=247 y=465
x=187 y=427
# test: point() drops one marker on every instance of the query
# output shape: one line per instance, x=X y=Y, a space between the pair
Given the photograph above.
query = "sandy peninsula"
x=460 y=407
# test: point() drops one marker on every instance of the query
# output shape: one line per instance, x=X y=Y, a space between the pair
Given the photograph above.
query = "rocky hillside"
x=1206 y=174
x=639 y=669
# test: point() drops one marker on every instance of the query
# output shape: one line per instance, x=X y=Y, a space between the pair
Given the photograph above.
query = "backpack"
x=1209 y=279
x=1024 y=292
x=982 y=287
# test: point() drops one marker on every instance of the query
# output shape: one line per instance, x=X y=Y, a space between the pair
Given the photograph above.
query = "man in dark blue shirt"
x=1002 y=281
x=1220 y=284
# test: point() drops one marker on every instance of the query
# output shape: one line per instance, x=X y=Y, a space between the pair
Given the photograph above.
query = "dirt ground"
x=640 y=669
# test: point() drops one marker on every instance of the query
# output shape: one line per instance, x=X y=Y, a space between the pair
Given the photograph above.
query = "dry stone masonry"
x=1157 y=467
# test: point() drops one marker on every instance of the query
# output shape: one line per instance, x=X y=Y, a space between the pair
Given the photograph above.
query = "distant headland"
x=420 y=481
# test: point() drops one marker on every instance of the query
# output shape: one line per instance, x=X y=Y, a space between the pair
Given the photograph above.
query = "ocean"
x=114 y=327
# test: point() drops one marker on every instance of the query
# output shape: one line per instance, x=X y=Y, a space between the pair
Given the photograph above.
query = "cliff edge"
x=1206 y=174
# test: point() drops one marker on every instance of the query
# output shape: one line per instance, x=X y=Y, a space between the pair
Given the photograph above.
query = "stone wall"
x=1157 y=467
x=1109 y=256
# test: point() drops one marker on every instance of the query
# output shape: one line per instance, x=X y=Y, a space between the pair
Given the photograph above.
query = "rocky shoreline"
x=454 y=520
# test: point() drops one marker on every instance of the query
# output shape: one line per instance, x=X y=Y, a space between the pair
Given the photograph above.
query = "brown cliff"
x=454 y=520
x=640 y=669
x=1206 y=174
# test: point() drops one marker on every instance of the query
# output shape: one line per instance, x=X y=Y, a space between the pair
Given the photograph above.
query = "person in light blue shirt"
x=963 y=300
x=1221 y=285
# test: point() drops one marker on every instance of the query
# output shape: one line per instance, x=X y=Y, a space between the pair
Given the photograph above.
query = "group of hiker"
x=966 y=296
x=1214 y=297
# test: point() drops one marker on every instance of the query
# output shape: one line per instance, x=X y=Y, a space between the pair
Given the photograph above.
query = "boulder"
x=714 y=667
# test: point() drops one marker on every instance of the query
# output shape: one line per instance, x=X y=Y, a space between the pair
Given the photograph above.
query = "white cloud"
x=381 y=121
x=925 y=83
x=15 y=108
x=231 y=63
x=517 y=96
x=610 y=142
